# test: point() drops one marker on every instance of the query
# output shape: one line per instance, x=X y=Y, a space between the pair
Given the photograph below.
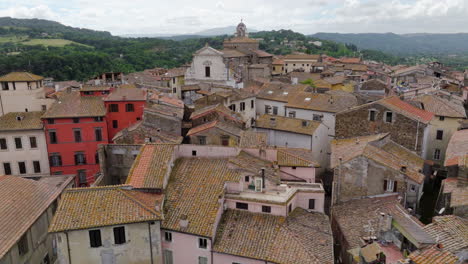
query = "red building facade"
x=75 y=125
x=124 y=108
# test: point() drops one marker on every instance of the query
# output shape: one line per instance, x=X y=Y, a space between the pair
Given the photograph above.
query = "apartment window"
x=77 y=135
x=207 y=71
x=275 y=110
x=292 y=114
x=37 y=166
x=167 y=236
x=43 y=107
x=437 y=154
x=232 y=107
x=390 y=186
x=225 y=140
x=242 y=106
x=440 y=134
x=95 y=238
x=247 y=179
x=82 y=176
x=22 y=167
x=413 y=188
x=80 y=158
x=168 y=258
x=267 y=109
x=52 y=137
x=266 y=209
x=388 y=117
x=18 y=143
x=311 y=204
x=252 y=104
x=96 y=157
x=202 y=260
x=50 y=121
x=372 y=115
x=76 y=120
x=119 y=235
x=114 y=108
x=202 y=243
x=98 y=119
x=55 y=160
x=441 y=118
x=201 y=140
x=5 y=86
x=243 y=206
x=115 y=123
x=316 y=117
x=174 y=90
x=3 y=143
x=129 y=108
x=290 y=208
x=98 y=133
x=194 y=153
x=23 y=245
x=6 y=168
x=32 y=142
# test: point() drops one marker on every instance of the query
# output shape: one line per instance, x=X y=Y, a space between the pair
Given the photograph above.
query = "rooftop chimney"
x=183 y=222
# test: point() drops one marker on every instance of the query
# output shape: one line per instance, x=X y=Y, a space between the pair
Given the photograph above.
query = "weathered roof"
x=21 y=121
x=356 y=67
x=373 y=85
x=442 y=107
x=302 y=57
x=92 y=88
x=433 y=255
x=457 y=148
x=302 y=237
x=71 y=104
x=167 y=110
x=224 y=126
x=451 y=231
x=175 y=72
x=126 y=94
x=262 y=53
x=252 y=139
x=220 y=109
x=279 y=91
x=139 y=132
x=335 y=80
x=84 y=208
x=331 y=101
x=20 y=77
x=193 y=193
x=293 y=125
x=23 y=202
x=295 y=157
x=302 y=76
x=352 y=217
x=151 y=166
x=247 y=162
x=232 y=53
x=349 y=60
x=379 y=149
x=240 y=40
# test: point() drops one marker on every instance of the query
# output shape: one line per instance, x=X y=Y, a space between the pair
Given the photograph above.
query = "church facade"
x=239 y=61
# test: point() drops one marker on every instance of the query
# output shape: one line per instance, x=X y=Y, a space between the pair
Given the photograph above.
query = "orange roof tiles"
x=433 y=255
x=451 y=231
x=201 y=128
x=71 y=104
x=457 y=149
x=403 y=107
x=20 y=77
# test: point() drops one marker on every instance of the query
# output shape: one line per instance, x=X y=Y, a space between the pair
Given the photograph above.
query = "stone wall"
x=116 y=161
x=169 y=124
x=403 y=130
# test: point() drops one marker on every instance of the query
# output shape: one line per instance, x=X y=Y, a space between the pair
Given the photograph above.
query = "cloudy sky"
x=306 y=16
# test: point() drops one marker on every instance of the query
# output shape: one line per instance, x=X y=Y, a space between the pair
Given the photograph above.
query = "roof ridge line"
x=296 y=156
x=138 y=202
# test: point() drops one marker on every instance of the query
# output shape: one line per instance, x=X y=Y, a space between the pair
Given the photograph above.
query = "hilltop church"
x=239 y=61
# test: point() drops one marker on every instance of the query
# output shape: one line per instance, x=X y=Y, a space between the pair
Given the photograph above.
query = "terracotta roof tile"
x=193 y=193
x=240 y=40
x=220 y=109
x=404 y=108
x=302 y=237
x=73 y=105
x=126 y=94
x=27 y=121
x=293 y=157
x=252 y=139
x=457 y=148
x=84 y=208
x=332 y=101
x=433 y=255
x=301 y=57
x=23 y=202
x=247 y=162
x=20 y=77
x=151 y=167
x=224 y=126
x=451 y=231
x=293 y=125
x=442 y=107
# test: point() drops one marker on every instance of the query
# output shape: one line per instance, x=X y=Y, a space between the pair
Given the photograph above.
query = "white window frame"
x=436 y=154
x=390 y=185
x=258 y=184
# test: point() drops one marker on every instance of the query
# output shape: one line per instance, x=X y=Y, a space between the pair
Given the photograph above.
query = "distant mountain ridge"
x=212 y=32
x=405 y=44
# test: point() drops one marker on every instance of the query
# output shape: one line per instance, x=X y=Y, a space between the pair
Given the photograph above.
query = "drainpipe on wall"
x=68 y=248
x=150 y=242
x=417 y=137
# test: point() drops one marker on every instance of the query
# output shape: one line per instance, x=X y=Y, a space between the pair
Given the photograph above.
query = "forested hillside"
x=51 y=49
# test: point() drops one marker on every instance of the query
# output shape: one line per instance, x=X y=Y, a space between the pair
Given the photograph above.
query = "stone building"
x=26 y=211
x=23 y=92
x=300 y=62
x=408 y=126
x=23 y=148
x=373 y=165
x=115 y=161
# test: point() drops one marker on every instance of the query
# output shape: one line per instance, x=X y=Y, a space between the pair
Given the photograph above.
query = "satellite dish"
x=441 y=211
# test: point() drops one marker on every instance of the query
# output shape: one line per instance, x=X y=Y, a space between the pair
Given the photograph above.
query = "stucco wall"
x=211 y=58
x=448 y=126
x=185 y=248
x=260 y=106
x=20 y=100
x=136 y=250
x=283 y=139
x=26 y=154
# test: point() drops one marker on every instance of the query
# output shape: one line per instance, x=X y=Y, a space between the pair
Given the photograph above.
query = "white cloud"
x=307 y=16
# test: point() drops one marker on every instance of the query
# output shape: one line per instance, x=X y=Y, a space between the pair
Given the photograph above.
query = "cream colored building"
x=22 y=92
x=448 y=113
x=23 y=148
x=114 y=225
x=301 y=62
